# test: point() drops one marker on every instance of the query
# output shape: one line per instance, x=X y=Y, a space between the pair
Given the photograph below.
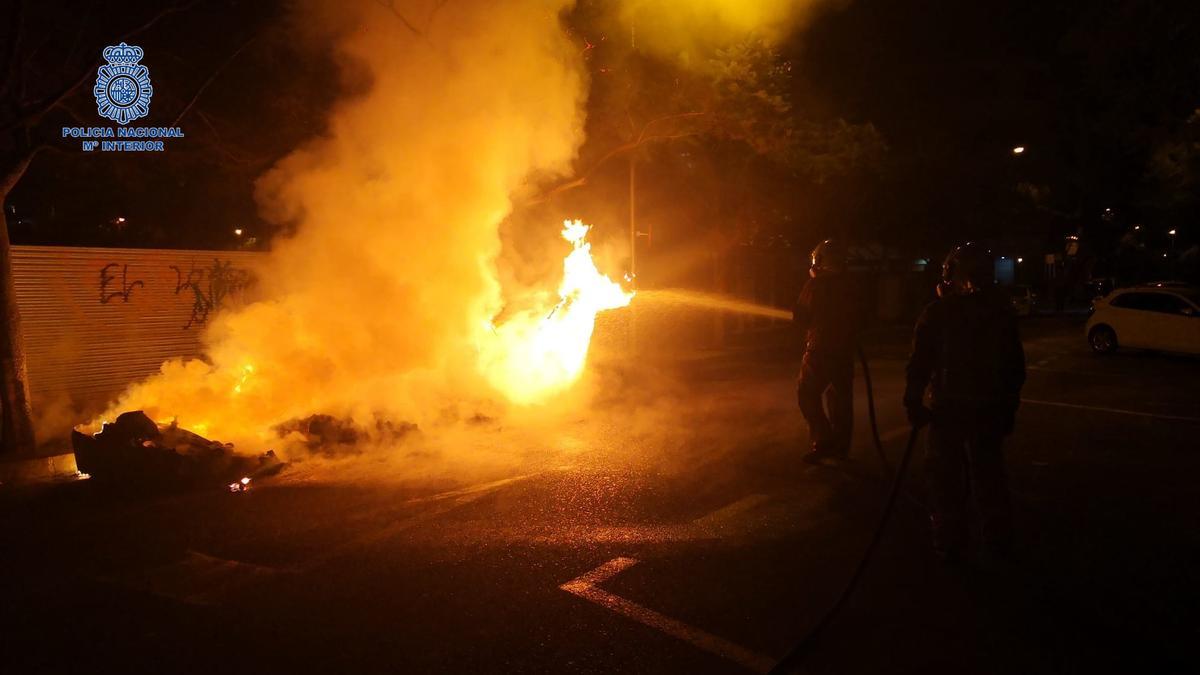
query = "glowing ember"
x=537 y=353
x=247 y=371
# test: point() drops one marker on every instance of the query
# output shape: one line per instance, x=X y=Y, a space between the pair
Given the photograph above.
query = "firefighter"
x=967 y=353
x=826 y=311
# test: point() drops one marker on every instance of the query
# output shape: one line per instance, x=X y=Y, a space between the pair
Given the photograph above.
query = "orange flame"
x=537 y=354
x=528 y=358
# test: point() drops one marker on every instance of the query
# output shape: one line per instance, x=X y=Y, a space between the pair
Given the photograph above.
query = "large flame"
x=529 y=357
x=536 y=354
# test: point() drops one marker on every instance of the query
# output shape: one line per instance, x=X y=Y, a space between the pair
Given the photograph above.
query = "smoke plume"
x=385 y=303
x=377 y=305
x=684 y=29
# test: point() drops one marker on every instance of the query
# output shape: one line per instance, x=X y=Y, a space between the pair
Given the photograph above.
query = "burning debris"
x=136 y=451
x=329 y=435
x=323 y=433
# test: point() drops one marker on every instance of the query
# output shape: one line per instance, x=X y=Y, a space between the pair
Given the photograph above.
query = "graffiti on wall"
x=123 y=288
x=206 y=287
x=209 y=287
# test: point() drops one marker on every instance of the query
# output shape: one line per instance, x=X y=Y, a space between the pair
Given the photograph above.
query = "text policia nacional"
x=140 y=139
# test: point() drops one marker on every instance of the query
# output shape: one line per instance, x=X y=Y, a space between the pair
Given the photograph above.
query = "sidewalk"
x=23 y=471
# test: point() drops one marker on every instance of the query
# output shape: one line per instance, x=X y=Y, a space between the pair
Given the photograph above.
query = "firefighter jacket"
x=967 y=351
x=830 y=314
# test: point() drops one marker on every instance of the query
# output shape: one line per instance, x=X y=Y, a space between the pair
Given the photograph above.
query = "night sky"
x=1093 y=89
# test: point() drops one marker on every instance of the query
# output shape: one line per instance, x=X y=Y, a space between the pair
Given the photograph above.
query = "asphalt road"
x=671 y=529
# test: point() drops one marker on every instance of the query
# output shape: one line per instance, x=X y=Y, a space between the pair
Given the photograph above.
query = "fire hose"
x=796 y=656
x=862 y=358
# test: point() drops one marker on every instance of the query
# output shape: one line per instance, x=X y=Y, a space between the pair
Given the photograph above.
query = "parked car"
x=1023 y=299
x=1101 y=286
x=1163 y=317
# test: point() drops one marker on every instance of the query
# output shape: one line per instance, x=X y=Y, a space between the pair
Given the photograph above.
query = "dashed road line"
x=201 y=579
x=1115 y=411
x=730 y=520
x=727 y=513
x=585 y=586
x=443 y=503
x=197 y=579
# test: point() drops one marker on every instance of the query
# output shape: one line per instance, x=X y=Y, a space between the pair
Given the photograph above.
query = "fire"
x=537 y=354
x=383 y=302
x=528 y=358
x=247 y=371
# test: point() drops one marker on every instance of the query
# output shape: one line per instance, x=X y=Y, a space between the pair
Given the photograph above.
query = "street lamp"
x=238 y=231
x=1018 y=150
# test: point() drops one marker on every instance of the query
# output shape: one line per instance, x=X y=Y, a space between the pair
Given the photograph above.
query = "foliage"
x=739 y=93
x=752 y=104
x=1173 y=169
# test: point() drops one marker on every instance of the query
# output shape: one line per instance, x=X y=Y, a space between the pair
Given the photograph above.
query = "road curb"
x=32 y=470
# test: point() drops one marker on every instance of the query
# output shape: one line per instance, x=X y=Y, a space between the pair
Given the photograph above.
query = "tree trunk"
x=16 y=415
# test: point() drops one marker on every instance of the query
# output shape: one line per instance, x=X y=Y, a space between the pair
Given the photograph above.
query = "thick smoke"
x=376 y=306
x=686 y=29
x=385 y=304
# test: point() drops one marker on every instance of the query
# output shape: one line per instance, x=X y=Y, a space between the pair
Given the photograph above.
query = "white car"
x=1160 y=316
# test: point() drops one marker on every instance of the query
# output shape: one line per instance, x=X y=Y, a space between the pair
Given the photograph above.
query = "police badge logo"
x=123 y=88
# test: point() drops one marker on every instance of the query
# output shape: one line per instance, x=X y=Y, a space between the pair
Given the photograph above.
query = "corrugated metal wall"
x=97 y=319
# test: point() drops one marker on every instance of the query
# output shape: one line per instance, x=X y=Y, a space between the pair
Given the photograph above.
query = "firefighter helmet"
x=970 y=264
x=828 y=256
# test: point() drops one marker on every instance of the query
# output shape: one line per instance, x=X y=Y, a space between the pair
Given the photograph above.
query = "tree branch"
x=669 y=117
x=13 y=172
x=17 y=21
x=74 y=115
x=78 y=41
x=220 y=145
x=33 y=113
x=390 y=5
x=437 y=7
x=625 y=148
x=611 y=154
x=212 y=76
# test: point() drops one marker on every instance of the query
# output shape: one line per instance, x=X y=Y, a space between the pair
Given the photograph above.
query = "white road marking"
x=727 y=521
x=585 y=586
x=201 y=579
x=473 y=491
x=1117 y=411
x=197 y=579
x=1068 y=371
x=726 y=513
x=444 y=503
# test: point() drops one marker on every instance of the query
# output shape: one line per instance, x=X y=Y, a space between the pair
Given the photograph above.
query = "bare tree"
x=25 y=103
